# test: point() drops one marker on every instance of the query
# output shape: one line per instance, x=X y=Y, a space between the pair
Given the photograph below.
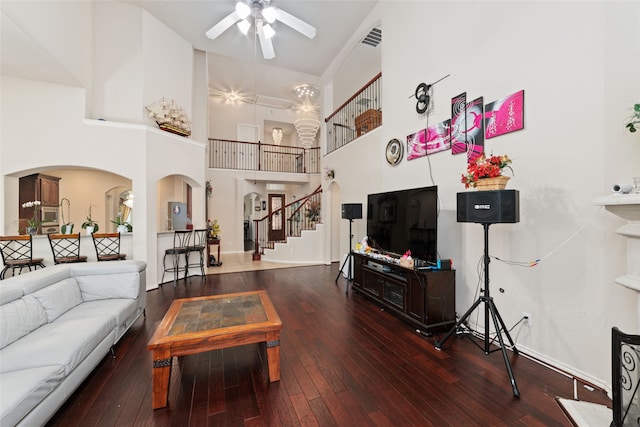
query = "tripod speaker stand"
x=350 y=211
x=490 y=309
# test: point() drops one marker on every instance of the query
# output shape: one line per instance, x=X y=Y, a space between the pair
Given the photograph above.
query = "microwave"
x=49 y=215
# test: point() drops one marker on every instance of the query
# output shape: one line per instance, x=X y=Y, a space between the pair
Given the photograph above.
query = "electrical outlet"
x=527 y=318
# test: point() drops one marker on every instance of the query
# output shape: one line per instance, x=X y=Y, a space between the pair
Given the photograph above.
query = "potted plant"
x=123 y=226
x=90 y=225
x=34 y=222
x=67 y=227
x=485 y=173
x=634 y=118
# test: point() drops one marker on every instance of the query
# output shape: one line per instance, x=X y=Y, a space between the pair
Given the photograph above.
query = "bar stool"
x=66 y=248
x=108 y=246
x=199 y=245
x=179 y=249
x=17 y=252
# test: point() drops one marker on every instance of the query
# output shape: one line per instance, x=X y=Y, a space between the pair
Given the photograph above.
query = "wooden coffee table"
x=196 y=325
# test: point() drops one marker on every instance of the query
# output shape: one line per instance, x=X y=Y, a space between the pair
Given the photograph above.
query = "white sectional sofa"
x=56 y=325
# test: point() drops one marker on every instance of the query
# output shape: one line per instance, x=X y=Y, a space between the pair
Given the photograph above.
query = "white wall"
x=223 y=118
x=62 y=29
x=44 y=125
x=578 y=63
x=118 y=63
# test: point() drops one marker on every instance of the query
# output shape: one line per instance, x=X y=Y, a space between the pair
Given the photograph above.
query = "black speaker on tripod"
x=489 y=207
x=486 y=208
x=351 y=210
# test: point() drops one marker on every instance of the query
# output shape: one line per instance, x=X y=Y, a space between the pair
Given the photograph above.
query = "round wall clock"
x=393 y=151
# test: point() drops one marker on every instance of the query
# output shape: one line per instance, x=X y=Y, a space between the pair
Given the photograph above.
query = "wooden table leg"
x=273 y=355
x=161 y=374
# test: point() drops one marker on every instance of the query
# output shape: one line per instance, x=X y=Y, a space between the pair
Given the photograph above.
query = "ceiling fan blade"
x=265 y=43
x=296 y=23
x=223 y=25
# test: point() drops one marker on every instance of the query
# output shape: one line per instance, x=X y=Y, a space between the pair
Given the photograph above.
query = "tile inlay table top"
x=195 y=325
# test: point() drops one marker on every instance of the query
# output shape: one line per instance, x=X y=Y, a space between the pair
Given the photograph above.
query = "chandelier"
x=276 y=134
x=307 y=129
x=307 y=123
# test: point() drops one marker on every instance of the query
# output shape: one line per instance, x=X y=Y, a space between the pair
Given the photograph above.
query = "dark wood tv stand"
x=424 y=298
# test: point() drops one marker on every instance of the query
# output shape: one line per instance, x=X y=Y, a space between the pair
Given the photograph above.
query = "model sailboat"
x=170 y=117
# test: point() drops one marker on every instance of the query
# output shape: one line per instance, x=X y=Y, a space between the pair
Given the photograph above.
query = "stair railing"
x=301 y=214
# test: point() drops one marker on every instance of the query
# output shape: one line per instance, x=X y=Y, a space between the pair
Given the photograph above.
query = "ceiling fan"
x=263 y=15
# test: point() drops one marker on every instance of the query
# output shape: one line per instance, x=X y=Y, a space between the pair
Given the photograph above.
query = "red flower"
x=481 y=167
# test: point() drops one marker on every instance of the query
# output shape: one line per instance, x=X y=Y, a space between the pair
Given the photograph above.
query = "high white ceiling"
x=235 y=61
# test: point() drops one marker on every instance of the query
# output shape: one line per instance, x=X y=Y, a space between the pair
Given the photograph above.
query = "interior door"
x=276 y=217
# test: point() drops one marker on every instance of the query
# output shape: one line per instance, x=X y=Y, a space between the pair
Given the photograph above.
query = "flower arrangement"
x=634 y=118
x=121 y=224
x=483 y=167
x=34 y=222
x=214 y=228
x=329 y=173
x=313 y=210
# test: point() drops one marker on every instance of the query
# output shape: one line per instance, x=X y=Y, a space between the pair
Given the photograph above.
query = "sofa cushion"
x=59 y=297
x=107 y=286
x=122 y=309
x=20 y=317
x=21 y=391
x=66 y=342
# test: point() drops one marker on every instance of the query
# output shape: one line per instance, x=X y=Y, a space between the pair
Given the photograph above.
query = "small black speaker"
x=351 y=210
x=489 y=207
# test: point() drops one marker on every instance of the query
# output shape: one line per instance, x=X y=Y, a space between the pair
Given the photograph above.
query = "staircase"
x=302 y=238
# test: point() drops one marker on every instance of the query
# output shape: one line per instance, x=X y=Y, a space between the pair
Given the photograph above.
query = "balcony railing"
x=256 y=156
x=357 y=116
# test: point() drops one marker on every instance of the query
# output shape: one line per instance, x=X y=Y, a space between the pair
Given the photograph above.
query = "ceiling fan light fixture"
x=244 y=26
x=268 y=31
x=242 y=10
x=269 y=14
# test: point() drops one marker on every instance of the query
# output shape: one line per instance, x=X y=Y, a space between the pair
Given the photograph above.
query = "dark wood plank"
x=344 y=361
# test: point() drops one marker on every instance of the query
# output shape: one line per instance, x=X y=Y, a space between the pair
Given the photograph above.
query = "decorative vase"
x=32 y=230
x=496 y=183
x=636 y=184
x=89 y=230
x=122 y=229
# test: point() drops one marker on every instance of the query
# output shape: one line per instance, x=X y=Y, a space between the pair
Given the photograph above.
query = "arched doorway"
x=253 y=210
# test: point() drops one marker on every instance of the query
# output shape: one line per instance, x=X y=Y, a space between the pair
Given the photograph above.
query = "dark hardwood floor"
x=344 y=362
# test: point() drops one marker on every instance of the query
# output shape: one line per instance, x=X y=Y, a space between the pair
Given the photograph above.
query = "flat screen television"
x=403 y=220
